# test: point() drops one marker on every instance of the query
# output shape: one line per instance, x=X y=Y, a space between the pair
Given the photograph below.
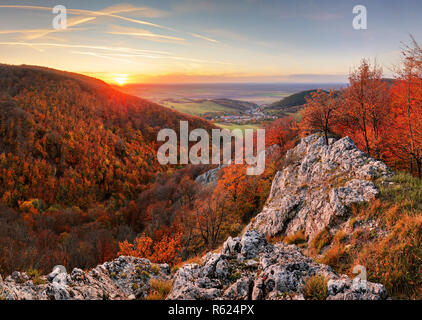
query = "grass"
x=321 y=240
x=394 y=257
x=155 y=269
x=35 y=276
x=297 y=238
x=199 y=108
x=159 y=289
x=315 y=288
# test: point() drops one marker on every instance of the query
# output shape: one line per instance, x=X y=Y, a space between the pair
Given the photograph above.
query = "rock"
x=317 y=187
x=264 y=271
x=252 y=243
x=209 y=177
x=313 y=192
x=240 y=290
x=356 y=289
x=122 y=278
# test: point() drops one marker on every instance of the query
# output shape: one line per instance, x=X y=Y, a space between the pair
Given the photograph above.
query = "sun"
x=121 y=79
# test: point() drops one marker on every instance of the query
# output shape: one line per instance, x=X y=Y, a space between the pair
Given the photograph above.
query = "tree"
x=366 y=107
x=406 y=141
x=321 y=112
x=164 y=251
x=211 y=217
x=282 y=132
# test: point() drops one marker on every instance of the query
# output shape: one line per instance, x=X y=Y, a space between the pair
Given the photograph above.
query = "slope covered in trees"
x=72 y=140
x=74 y=156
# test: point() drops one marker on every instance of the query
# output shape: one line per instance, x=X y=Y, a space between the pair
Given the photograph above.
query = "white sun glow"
x=121 y=79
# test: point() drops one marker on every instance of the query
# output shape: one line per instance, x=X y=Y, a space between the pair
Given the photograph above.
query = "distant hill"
x=294 y=100
x=73 y=140
x=209 y=108
x=236 y=104
x=290 y=104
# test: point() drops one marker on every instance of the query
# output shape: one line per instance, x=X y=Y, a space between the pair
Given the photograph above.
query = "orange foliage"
x=164 y=251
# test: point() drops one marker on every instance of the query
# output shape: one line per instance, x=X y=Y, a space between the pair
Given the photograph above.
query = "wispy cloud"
x=116 y=51
x=70 y=23
x=103 y=56
x=203 y=37
x=145 y=34
x=61 y=45
x=112 y=12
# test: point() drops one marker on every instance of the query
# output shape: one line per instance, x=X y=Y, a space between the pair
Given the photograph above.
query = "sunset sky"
x=207 y=41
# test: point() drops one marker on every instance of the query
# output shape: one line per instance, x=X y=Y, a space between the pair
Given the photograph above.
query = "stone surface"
x=122 y=278
x=317 y=187
x=210 y=176
x=251 y=268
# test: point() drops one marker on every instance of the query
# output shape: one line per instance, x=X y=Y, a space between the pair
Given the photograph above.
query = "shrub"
x=164 y=251
x=315 y=288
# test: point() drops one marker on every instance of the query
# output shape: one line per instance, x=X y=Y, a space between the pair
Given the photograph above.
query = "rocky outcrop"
x=317 y=187
x=251 y=268
x=210 y=176
x=122 y=278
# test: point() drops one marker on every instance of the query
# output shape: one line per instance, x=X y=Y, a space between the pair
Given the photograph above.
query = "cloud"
x=203 y=37
x=103 y=56
x=112 y=12
x=60 y=45
x=128 y=52
x=145 y=34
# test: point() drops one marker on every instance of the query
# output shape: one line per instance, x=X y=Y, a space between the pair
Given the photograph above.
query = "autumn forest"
x=80 y=183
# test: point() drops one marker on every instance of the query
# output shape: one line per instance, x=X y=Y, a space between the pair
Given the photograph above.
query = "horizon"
x=207 y=41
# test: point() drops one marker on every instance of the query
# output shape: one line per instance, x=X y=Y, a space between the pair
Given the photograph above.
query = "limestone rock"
x=122 y=278
x=252 y=268
x=317 y=187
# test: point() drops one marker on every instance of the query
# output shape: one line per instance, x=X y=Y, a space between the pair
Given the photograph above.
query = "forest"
x=79 y=182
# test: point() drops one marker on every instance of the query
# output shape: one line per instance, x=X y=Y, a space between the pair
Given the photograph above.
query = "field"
x=197 y=108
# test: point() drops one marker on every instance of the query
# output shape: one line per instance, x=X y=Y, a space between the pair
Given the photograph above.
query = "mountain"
x=71 y=140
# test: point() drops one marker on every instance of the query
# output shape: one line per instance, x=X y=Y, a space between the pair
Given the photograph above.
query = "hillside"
x=58 y=129
x=289 y=105
x=289 y=250
x=75 y=155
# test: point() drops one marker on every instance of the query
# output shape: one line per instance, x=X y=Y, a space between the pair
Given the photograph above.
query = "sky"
x=195 y=41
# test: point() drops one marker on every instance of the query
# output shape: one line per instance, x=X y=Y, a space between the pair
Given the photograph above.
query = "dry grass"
x=297 y=238
x=159 y=289
x=196 y=259
x=396 y=260
x=321 y=240
x=394 y=257
x=315 y=288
